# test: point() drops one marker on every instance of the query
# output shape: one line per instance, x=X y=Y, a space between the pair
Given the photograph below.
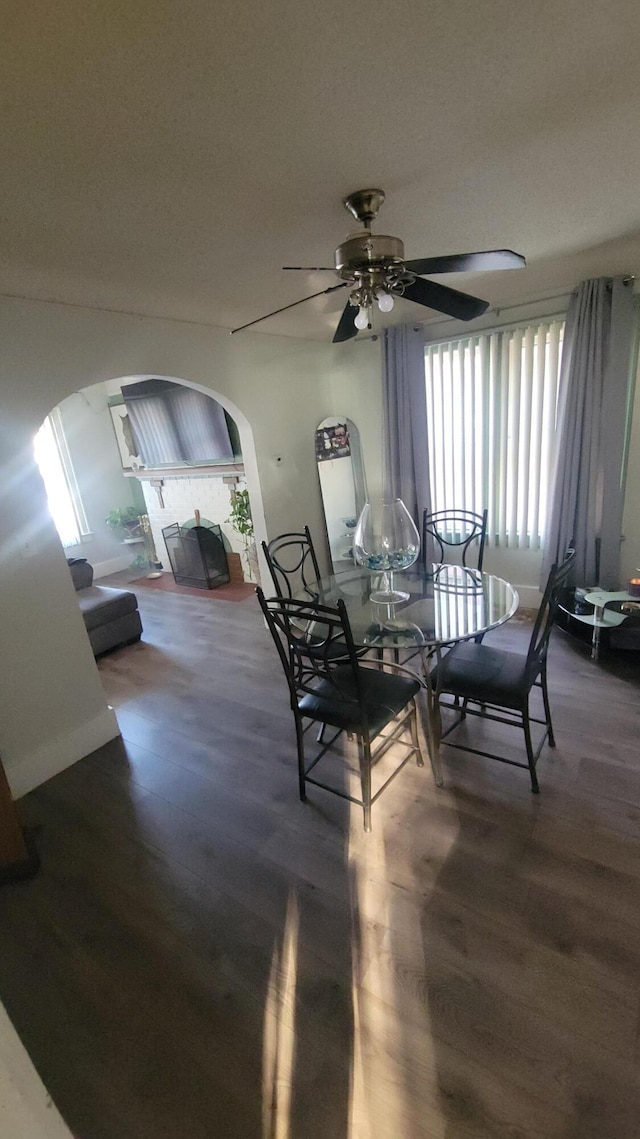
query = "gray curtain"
x=404 y=409
x=587 y=487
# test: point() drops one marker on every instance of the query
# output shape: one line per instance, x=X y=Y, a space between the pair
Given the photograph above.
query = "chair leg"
x=300 y=745
x=434 y=718
x=365 y=781
x=413 y=724
x=530 y=756
x=547 y=707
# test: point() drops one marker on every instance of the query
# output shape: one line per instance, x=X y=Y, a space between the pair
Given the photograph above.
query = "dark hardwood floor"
x=204 y=956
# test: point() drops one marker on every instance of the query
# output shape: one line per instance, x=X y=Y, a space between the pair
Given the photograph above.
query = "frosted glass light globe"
x=385 y=301
x=362 y=319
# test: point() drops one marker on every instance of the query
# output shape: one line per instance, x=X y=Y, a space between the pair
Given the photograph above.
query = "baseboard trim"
x=113 y=565
x=27 y=773
x=530 y=596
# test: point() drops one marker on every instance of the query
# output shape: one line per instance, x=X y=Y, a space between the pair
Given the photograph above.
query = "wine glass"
x=385 y=540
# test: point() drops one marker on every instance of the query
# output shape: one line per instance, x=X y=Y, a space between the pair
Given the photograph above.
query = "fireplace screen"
x=197 y=555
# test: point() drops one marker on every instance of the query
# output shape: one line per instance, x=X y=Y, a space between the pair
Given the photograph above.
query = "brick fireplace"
x=175 y=494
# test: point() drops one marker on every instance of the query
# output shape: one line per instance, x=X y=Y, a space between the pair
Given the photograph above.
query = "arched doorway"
x=219 y=473
x=52 y=708
x=46 y=638
x=107 y=469
x=195 y=446
x=246 y=439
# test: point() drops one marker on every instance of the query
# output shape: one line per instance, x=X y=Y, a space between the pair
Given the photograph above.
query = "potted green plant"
x=134 y=524
x=128 y=519
x=242 y=522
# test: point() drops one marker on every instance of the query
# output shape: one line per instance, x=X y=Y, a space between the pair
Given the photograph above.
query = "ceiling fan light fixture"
x=362 y=319
x=385 y=300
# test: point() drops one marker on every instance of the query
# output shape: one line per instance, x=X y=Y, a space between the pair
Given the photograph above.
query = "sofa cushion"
x=99 y=604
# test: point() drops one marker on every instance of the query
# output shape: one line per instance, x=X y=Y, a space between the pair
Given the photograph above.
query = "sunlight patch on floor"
x=278 y=1049
x=394 y=1061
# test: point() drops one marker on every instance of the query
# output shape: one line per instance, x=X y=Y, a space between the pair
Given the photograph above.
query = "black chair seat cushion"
x=384 y=696
x=478 y=672
x=100 y=604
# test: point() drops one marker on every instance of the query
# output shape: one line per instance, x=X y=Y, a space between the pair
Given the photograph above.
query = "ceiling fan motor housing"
x=364 y=251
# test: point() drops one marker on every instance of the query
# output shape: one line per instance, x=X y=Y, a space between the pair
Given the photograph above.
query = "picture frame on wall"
x=332 y=442
x=124 y=438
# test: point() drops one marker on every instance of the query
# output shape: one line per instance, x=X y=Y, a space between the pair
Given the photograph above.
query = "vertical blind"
x=176 y=424
x=491 y=416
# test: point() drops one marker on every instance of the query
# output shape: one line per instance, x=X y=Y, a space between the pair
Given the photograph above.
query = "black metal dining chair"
x=500 y=682
x=293 y=566
x=292 y=563
x=334 y=689
x=454 y=535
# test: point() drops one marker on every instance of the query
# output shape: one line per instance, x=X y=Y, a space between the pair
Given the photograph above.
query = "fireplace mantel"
x=180 y=491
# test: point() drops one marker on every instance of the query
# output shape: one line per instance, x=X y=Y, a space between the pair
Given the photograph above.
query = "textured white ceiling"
x=169 y=158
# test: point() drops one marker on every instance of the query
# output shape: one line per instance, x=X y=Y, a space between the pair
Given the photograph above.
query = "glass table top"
x=448 y=604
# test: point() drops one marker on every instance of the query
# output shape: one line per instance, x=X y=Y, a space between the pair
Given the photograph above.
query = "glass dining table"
x=445 y=604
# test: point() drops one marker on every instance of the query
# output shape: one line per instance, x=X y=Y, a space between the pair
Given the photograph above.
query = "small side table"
x=603 y=618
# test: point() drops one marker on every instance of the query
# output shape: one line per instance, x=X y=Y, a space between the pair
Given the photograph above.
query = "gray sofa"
x=111 y=616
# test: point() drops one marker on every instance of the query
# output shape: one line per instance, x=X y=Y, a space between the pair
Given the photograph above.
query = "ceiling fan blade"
x=484 y=262
x=440 y=297
x=346 y=329
x=331 y=289
x=309 y=268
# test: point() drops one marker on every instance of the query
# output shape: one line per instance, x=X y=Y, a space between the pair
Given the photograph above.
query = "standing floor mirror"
x=342 y=484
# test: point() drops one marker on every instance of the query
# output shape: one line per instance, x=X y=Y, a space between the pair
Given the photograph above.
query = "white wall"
x=356 y=386
x=52 y=706
x=88 y=430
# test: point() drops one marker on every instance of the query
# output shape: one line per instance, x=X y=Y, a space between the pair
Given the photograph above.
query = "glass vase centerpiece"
x=385 y=540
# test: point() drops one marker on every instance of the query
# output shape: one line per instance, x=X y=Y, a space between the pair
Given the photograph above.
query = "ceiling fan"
x=373 y=267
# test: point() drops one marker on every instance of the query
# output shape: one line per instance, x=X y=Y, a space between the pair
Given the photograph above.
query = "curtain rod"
x=524 y=304
x=499 y=309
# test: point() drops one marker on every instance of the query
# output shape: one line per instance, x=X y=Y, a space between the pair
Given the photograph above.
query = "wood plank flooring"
x=203 y=956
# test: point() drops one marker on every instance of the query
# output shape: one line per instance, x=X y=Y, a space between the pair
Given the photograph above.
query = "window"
x=491 y=417
x=52 y=456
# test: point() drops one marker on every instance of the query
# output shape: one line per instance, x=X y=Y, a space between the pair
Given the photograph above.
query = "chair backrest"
x=314 y=643
x=461 y=533
x=292 y=563
x=545 y=617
